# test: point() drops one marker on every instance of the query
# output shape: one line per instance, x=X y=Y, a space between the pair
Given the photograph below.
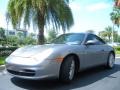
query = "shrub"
x=117 y=48
x=2 y=60
x=5 y=51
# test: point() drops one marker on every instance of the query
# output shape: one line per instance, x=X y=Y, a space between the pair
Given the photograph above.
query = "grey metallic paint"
x=89 y=56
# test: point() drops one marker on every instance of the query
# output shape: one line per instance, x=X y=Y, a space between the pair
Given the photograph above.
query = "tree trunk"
x=41 y=36
x=41 y=23
x=117 y=3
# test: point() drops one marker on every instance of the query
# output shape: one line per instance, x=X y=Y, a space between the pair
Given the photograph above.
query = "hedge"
x=5 y=51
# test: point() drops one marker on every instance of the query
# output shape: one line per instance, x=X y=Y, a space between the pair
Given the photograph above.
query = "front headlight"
x=40 y=57
x=21 y=60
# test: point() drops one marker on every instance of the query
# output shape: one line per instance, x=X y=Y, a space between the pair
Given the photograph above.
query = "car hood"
x=29 y=51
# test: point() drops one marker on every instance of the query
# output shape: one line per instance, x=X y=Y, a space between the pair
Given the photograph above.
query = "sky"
x=88 y=14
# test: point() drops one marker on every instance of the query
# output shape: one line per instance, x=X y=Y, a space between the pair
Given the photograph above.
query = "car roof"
x=86 y=33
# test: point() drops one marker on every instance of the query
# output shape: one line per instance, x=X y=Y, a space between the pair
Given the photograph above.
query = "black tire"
x=110 y=61
x=67 y=70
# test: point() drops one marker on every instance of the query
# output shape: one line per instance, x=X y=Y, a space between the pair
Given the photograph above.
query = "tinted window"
x=69 y=39
x=98 y=41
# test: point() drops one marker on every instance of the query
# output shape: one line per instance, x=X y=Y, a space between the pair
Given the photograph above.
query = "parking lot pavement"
x=3 y=72
x=2 y=67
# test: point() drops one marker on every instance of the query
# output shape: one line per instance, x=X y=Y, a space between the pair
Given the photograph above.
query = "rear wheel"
x=67 y=69
x=111 y=61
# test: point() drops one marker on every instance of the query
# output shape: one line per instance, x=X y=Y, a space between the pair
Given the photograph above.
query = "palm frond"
x=42 y=13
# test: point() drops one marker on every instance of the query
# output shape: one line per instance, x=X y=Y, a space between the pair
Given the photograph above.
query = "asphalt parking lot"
x=97 y=78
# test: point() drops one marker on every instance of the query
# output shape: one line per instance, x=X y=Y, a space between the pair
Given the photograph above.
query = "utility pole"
x=113 y=35
x=7 y=21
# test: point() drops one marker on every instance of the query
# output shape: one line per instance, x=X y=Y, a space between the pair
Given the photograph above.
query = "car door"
x=94 y=52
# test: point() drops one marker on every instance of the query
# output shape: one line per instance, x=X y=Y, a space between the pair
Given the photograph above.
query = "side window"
x=90 y=37
x=100 y=41
x=97 y=40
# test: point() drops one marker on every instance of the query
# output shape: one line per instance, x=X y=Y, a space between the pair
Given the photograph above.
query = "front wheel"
x=67 y=69
x=111 y=61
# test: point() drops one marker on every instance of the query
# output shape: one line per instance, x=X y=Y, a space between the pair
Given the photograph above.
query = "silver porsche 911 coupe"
x=62 y=58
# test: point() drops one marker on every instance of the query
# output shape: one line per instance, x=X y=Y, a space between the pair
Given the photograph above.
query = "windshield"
x=69 y=39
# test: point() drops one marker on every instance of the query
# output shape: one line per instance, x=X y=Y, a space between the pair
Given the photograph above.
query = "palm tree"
x=42 y=13
x=108 y=31
x=103 y=35
x=115 y=16
x=107 y=34
x=117 y=3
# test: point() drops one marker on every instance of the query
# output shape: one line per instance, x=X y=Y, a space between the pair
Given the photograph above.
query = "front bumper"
x=48 y=68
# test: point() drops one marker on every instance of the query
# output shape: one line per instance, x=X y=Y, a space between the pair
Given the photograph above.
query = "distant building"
x=24 y=33
x=14 y=32
x=10 y=32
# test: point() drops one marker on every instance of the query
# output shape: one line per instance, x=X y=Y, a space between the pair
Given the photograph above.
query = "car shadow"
x=82 y=79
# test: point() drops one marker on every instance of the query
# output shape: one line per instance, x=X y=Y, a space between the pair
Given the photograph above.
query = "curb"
x=117 y=57
x=2 y=67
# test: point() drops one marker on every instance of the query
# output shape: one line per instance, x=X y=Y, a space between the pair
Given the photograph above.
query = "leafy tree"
x=12 y=40
x=118 y=39
x=2 y=36
x=42 y=13
x=29 y=40
x=108 y=31
x=2 y=33
x=107 y=34
x=51 y=35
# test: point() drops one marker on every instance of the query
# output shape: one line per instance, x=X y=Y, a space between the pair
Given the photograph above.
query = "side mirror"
x=90 y=42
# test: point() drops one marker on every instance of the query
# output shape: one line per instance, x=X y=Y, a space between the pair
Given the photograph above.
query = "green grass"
x=118 y=52
x=2 y=60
